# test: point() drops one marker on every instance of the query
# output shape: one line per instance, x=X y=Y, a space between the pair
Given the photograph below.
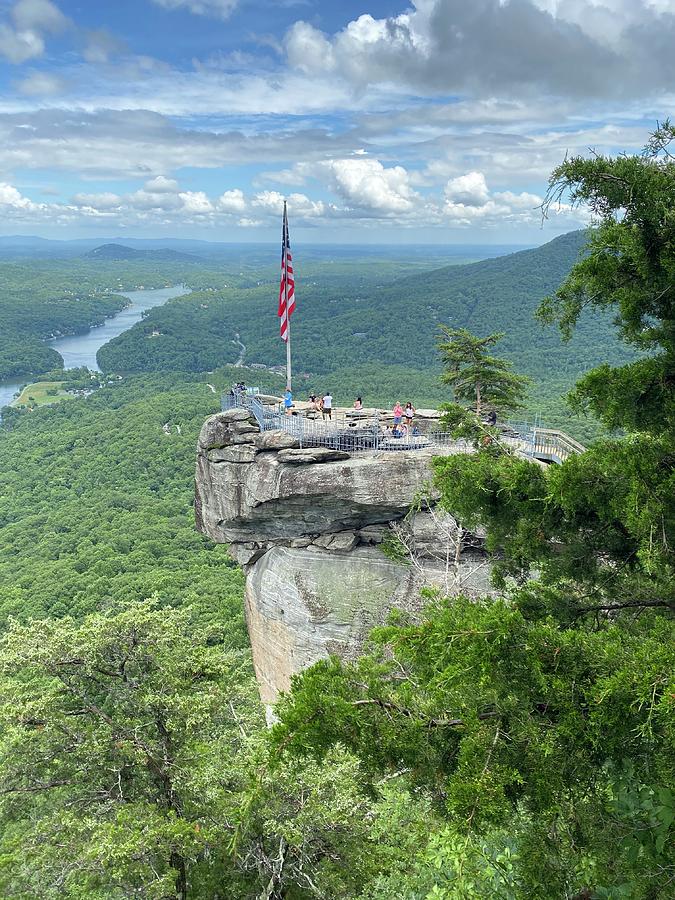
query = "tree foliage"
x=478 y=379
x=112 y=728
x=548 y=713
x=629 y=268
x=512 y=723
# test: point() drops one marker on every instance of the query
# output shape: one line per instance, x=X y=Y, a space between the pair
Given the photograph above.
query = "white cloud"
x=18 y=46
x=231 y=201
x=143 y=145
x=14 y=204
x=161 y=185
x=576 y=48
x=308 y=49
x=22 y=37
x=470 y=189
x=469 y=202
x=41 y=84
x=220 y=9
x=105 y=200
x=101 y=45
x=154 y=200
x=196 y=202
x=301 y=206
x=363 y=184
x=41 y=15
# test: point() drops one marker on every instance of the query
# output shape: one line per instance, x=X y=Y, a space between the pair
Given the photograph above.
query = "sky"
x=437 y=121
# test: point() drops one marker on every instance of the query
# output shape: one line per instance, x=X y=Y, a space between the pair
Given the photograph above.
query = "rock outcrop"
x=307 y=524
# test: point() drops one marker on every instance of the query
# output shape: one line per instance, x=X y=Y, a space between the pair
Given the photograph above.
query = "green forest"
x=517 y=746
x=42 y=299
x=372 y=333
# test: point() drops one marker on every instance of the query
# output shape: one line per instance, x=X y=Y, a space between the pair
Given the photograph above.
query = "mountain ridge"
x=122 y=252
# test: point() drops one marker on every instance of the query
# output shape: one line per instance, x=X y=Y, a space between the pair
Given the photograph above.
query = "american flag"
x=287 y=287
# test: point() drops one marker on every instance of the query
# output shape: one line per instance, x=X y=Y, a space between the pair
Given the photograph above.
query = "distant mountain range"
x=247 y=252
x=119 y=251
x=342 y=326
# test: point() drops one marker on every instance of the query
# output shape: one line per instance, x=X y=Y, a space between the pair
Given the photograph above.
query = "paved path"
x=242 y=350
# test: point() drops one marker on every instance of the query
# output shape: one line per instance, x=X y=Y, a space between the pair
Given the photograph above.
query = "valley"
x=111 y=598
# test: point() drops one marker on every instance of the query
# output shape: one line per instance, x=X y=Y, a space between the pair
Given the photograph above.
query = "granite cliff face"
x=306 y=525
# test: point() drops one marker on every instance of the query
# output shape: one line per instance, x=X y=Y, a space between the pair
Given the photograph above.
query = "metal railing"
x=555 y=446
x=368 y=434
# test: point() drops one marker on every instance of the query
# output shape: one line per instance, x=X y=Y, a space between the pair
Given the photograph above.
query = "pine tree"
x=476 y=377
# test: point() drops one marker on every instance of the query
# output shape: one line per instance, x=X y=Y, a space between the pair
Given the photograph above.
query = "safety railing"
x=555 y=446
x=370 y=435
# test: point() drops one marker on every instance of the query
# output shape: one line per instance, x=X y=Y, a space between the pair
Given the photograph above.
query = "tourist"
x=409 y=413
x=492 y=419
x=358 y=403
x=327 y=405
x=398 y=412
x=288 y=401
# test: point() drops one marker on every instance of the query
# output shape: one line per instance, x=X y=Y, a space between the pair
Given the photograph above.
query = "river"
x=80 y=349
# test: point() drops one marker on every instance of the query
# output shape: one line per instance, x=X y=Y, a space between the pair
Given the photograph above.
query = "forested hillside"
x=43 y=298
x=39 y=300
x=351 y=327
x=97 y=504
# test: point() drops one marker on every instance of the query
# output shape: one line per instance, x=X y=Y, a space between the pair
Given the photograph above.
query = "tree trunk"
x=478 y=399
x=177 y=862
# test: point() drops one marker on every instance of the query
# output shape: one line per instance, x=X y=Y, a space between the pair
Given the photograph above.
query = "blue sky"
x=436 y=121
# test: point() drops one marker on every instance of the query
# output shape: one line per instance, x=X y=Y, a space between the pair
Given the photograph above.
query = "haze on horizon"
x=381 y=122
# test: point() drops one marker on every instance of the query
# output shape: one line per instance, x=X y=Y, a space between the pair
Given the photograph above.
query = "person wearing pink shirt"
x=398 y=412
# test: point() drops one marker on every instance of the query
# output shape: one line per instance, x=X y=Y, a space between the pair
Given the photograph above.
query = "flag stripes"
x=287 y=287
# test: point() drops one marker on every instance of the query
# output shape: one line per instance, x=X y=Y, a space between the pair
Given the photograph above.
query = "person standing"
x=398 y=412
x=409 y=413
x=358 y=403
x=327 y=405
x=288 y=401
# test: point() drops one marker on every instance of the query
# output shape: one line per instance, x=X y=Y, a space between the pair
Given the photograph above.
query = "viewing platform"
x=307 y=506
x=373 y=430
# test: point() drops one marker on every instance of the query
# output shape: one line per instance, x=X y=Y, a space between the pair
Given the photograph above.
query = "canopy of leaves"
x=548 y=713
x=478 y=379
x=629 y=268
x=561 y=736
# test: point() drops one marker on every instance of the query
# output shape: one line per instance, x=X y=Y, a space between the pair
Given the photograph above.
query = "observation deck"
x=372 y=430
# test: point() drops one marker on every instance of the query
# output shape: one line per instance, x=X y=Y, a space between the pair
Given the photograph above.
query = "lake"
x=80 y=349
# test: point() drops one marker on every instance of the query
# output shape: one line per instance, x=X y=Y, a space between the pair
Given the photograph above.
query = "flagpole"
x=288 y=347
x=288 y=318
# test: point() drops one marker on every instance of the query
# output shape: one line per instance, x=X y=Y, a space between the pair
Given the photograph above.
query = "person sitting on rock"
x=358 y=403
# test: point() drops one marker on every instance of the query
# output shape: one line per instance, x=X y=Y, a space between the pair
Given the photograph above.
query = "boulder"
x=218 y=430
x=373 y=534
x=342 y=542
x=237 y=415
x=238 y=453
x=272 y=500
x=311 y=455
x=305 y=524
x=275 y=440
x=246 y=554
